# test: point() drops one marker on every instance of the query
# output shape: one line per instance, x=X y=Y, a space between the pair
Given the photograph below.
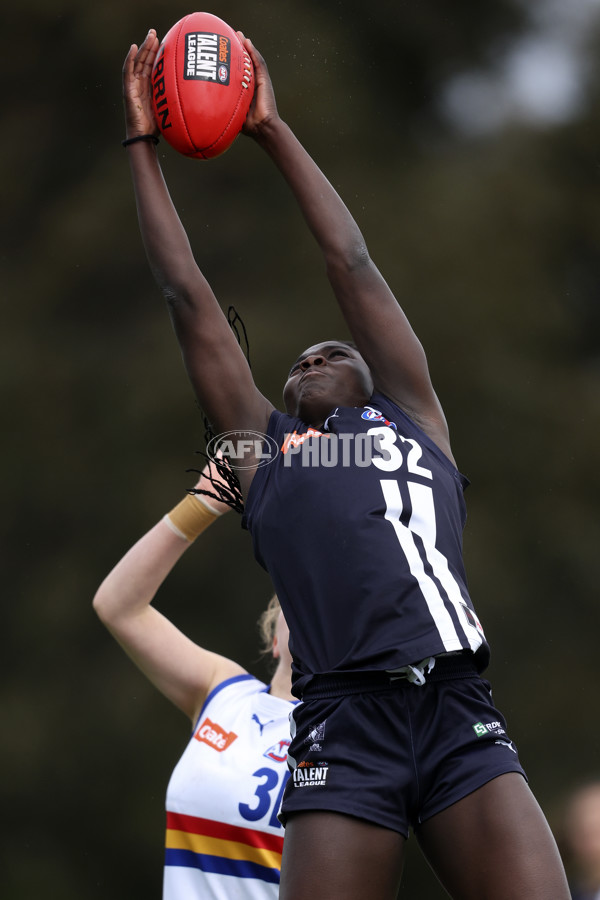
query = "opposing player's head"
x=275 y=633
x=329 y=374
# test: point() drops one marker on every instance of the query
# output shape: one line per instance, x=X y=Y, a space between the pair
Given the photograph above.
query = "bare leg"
x=495 y=844
x=339 y=857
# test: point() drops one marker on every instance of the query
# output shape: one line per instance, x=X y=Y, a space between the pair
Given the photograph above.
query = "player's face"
x=325 y=376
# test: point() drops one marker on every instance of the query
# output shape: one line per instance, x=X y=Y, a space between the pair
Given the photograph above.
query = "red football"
x=202 y=86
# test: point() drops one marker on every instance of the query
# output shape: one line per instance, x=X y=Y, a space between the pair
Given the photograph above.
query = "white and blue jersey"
x=359 y=525
x=223 y=839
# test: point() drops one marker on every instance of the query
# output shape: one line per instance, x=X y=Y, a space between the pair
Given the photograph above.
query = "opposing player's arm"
x=182 y=670
x=377 y=323
x=215 y=363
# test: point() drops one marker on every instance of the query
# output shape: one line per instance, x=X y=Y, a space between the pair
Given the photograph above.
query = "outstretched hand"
x=263 y=107
x=137 y=87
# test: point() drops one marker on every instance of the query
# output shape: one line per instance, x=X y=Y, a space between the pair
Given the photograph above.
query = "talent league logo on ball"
x=243 y=449
x=207 y=57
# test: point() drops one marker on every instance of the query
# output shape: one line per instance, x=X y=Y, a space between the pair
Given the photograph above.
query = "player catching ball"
x=358 y=519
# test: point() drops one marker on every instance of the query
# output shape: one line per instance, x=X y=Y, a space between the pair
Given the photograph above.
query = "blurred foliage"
x=491 y=246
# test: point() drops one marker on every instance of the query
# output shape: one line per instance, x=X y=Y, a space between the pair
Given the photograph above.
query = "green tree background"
x=489 y=238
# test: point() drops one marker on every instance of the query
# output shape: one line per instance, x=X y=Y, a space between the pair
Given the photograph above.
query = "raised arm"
x=216 y=365
x=378 y=325
x=183 y=671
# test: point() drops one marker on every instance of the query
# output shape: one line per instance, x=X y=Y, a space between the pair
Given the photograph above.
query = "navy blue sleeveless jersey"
x=359 y=525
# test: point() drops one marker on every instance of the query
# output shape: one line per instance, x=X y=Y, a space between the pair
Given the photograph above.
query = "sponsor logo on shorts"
x=310 y=774
x=215 y=736
x=483 y=729
x=315 y=738
x=207 y=57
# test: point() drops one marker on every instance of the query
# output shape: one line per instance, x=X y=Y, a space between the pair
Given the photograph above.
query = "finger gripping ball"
x=202 y=86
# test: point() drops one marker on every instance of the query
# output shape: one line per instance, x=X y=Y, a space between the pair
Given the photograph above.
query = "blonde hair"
x=267 y=623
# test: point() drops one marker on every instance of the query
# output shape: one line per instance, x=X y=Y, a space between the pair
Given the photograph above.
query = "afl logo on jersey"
x=278 y=752
x=373 y=415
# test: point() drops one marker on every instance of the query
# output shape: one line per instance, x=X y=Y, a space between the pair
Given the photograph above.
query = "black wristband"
x=140 y=137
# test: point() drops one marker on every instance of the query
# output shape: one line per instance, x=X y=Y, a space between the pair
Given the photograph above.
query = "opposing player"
x=358 y=519
x=223 y=838
x=581 y=839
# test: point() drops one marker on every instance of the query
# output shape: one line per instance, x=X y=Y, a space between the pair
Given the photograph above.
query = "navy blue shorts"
x=392 y=752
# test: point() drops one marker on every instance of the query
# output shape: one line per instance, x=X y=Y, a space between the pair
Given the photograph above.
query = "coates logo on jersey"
x=373 y=415
x=216 y=737
x=278 y=752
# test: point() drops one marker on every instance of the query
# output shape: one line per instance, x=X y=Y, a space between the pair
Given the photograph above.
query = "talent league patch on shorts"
x=310 y=774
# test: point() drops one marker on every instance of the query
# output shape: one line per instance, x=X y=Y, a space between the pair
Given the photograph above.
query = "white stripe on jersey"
x=421 y=498
x=422 y=522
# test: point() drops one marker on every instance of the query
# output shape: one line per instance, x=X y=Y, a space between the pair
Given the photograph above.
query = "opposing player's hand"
x=137 y=87
x=263 y=107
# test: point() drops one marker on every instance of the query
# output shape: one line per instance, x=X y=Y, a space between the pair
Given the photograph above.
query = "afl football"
x=202 y=86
